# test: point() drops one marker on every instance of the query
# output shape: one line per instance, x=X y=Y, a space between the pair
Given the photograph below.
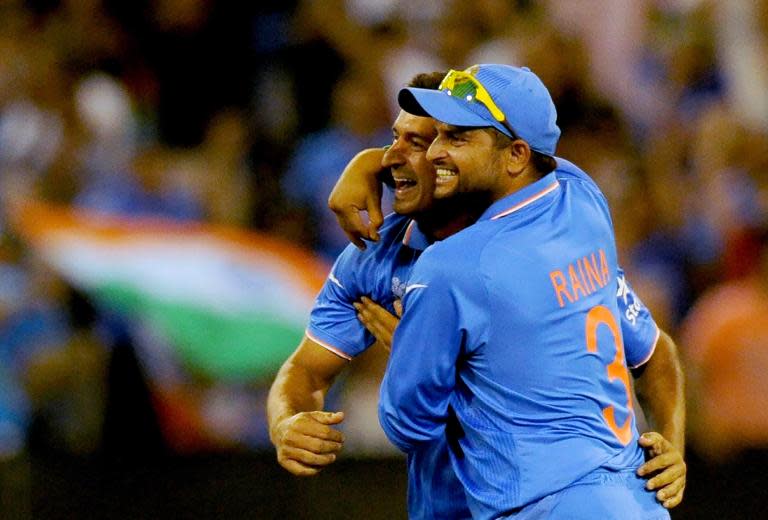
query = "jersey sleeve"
x=333 y=321
x=638 y=327
x=421 y=374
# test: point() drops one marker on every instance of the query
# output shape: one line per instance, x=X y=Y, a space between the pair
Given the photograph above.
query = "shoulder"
x=391 y=240
x=567 y=171
x=571 y=176
x=458 y=257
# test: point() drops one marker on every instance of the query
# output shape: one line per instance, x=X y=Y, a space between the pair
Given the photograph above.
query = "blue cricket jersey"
x=514 y=347
x=381 y=272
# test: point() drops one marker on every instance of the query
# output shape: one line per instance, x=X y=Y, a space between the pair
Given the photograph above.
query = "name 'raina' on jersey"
x=584 y=275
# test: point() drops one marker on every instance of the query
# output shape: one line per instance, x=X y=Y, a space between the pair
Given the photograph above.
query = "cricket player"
x=303 y=434
x=511 y=343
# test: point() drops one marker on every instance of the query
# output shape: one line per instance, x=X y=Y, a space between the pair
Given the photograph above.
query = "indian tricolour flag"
x=233 y=304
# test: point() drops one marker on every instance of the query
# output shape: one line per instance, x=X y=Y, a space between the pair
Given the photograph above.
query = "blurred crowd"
x=244 y=114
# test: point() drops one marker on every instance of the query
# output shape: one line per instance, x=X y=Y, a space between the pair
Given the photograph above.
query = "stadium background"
x=225 y=115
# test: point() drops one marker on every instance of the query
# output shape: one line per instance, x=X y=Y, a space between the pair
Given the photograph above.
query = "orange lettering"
x=616 y=369
x=604 y=268
x=575 y=283
x=558 y=282
x=592 y=272
x=584 y=280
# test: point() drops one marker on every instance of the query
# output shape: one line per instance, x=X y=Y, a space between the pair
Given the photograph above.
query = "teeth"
x=442 y=172
x=404 y=183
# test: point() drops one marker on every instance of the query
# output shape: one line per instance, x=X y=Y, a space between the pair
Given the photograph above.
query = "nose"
x=394 y=155
x=436 y=151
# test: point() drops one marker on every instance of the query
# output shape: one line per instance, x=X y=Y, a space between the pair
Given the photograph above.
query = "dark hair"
x=542 y=162
x=430 y=80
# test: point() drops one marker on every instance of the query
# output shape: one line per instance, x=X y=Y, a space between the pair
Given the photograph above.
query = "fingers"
x=327 y=417
x=302 y=462
x=306 y=443
x=378 y=320
x=352 y=225
x=666 y=477
x=649 y=438
x=373 y=323
x=375 y=216
x=672 y=492
x=672 y=495
x=307 y=457
x=660 y=462
x=297 y=468
x=310 y=425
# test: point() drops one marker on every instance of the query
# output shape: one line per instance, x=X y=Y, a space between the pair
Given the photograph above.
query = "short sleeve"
x=638 y=327
x=333 y=321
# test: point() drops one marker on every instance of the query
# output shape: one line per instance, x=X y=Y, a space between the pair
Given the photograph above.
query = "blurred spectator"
x=230 y=194
x=215 y=111
x=360 y=120
x=725 y=341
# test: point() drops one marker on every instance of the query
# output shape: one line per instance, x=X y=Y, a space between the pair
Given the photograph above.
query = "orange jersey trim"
x=653 y=349
x=527 y=201
x=328 y=347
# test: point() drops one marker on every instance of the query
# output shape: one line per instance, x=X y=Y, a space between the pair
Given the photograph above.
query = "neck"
x=515 y=183
x=450 y=216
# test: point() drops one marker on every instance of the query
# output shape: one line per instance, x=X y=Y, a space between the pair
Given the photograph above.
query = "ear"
x=518 y=157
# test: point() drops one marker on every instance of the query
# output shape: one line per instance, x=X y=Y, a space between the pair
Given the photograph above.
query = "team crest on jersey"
x=398 y=287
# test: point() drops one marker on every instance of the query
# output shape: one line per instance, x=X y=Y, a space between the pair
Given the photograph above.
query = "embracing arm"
x=301 y=432
x=660 y=390
x=359 y=189
x=421 y=374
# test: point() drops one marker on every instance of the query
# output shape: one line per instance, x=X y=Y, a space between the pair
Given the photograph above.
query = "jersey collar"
x=414 y=238
x=522 y=198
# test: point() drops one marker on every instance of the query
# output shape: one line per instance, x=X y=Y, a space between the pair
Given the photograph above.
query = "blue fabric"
x=381 y=272
x=605 y=495
x=495 y=331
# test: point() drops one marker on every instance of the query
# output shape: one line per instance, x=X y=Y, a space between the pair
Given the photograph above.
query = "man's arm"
x=302 y=433
x=660 y=390
x=421 y=374
x=357 y=190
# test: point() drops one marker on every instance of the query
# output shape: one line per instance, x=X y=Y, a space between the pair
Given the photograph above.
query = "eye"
x=457 y=138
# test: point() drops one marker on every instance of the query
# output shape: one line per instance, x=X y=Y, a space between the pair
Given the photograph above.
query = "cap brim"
x=441 y=106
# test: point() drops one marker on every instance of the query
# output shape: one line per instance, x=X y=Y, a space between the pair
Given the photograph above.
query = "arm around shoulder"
x=359 y=189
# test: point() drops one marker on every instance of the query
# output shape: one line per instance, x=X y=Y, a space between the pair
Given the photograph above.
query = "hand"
x=306 y=443
x=378 y=320
x=667 y=467
x=359 y=189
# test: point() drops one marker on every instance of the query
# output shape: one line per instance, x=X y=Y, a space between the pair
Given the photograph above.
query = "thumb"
x=649 y=439
x=328 y=417
x=398 y=308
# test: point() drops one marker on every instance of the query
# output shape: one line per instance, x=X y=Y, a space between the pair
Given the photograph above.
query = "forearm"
x=296 y=389
x=660 y=390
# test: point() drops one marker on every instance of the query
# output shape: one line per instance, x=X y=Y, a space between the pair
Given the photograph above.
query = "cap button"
x=526 y=69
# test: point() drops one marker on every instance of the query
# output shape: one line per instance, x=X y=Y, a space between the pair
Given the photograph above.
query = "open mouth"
x=404 y=184
x=445 y=175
